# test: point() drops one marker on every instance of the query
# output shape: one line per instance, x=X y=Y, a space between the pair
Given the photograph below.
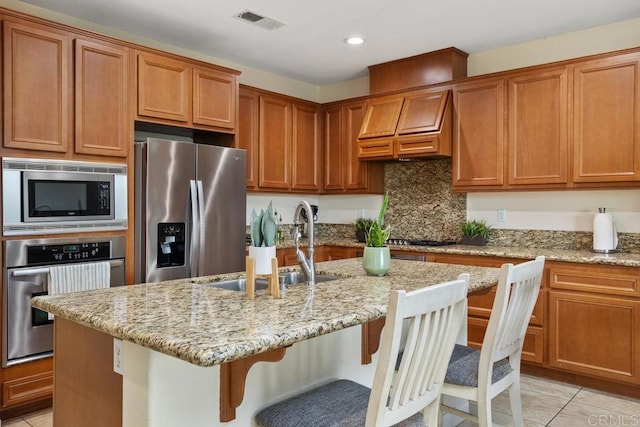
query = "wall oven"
x=57 y=196
x=27 y=333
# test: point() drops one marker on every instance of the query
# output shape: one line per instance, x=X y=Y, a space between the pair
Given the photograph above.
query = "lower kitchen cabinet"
x=26 y=384
x=480 y=305
x=594 y=321
x=332 y=253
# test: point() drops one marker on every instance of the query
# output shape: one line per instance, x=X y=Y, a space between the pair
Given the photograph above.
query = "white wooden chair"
x=435 y=315
x=480 y=375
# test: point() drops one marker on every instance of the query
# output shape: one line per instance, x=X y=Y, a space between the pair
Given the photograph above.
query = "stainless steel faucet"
x=307 y=264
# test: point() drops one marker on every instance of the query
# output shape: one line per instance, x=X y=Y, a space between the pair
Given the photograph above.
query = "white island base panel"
x=160 y=390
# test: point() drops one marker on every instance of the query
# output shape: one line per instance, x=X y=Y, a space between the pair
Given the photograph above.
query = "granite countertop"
x=208 y=326
x=562 y=255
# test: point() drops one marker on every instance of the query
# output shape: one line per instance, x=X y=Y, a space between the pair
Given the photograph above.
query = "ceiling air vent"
x=260 y=20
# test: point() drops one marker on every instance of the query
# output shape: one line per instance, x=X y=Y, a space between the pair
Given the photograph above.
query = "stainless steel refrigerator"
x=190 y=204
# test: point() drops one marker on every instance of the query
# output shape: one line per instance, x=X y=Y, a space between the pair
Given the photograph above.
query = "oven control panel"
x=72 y=252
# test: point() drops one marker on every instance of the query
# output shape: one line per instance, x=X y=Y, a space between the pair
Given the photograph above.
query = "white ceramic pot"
x=262 y=256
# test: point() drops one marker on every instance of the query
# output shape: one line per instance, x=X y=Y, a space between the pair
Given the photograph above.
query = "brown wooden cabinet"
x=481 y=303
x=306 y=148
x=180 y=93
x=274 y=154
x=606 y=119
x=594 y=318
x=538 y=141
x=101 y=98
x=332 y=253
x=282 y=137
x=343 y=171
x=247 y=134
x=413 y=124
x=478 y=134
x=37 y=101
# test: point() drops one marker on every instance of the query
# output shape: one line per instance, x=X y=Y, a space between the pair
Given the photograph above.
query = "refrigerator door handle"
x=194 y=247
x=202 y=226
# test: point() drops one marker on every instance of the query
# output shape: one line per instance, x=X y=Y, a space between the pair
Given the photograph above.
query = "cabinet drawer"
x=377 y=149
x=481 y=305
x=609 y=280
x=532 y=350
x=27 y=389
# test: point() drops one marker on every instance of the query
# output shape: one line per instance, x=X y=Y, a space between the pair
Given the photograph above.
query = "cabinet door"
x=247 y=134
x=356 y=173
x=381 y=117
x=275 y=143
x=306 y=165
x=164 y=88
x=333 y=149
x=102 y=98
x=214 y=98
x=422 y=112
x=37 y=88
x=538 y=129
x=595 y=335
x=606 y=119
x=478 y=147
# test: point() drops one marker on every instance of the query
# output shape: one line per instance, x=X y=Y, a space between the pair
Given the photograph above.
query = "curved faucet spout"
x=306 y=264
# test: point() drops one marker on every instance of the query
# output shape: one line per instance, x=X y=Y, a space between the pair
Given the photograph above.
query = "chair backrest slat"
x=434 y=316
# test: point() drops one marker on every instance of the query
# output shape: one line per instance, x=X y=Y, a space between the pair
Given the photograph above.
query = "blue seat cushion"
x=463 y=367
x=342 y=403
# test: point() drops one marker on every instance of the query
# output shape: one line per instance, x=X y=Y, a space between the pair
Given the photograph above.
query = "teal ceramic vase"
x=376 y=261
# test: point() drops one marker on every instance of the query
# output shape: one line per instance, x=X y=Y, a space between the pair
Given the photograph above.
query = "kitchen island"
x=180 y=338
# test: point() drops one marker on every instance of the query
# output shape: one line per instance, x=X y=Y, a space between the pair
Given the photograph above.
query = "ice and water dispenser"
x=171 y=244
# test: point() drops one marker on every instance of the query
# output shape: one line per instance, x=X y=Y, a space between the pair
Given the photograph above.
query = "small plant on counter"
x=475 y=232
x=362 y=226
x=378 y=232
x=263 y=227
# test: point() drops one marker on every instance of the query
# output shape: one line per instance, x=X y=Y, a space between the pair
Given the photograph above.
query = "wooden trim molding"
x=233 y=376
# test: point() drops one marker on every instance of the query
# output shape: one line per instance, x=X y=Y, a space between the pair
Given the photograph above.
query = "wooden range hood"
x=415 y=124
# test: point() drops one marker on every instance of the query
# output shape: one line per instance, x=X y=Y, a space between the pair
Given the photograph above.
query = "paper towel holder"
x=605 y=236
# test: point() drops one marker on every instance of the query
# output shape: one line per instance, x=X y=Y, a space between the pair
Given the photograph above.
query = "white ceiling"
x=310 y=47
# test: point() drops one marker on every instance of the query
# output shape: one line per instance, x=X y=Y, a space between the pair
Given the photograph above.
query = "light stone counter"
x=209 y=326
x=561 y=255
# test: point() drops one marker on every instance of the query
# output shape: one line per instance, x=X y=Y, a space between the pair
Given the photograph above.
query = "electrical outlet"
x=502 y=215
x=117 y=356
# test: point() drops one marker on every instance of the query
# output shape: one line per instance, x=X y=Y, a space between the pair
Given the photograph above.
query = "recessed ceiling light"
x=354 y=41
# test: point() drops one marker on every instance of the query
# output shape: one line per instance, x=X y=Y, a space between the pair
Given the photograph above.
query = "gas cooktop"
x=407 y=242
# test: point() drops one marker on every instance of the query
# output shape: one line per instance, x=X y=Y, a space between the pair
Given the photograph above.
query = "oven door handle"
x=45 y=270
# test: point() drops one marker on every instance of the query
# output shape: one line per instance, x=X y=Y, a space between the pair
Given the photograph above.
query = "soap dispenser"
x=605 y=237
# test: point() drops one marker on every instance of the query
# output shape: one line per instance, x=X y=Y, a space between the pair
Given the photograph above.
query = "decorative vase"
x=361 y=235
x=473 y=240
x=262 y=256
x=376 y=261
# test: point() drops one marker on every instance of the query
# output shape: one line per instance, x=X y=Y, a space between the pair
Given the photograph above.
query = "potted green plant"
x=263 y=230
x=362 y=226
x=376 y=257
x=474 y=232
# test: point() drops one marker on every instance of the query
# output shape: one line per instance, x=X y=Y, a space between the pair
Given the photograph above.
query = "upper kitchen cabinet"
x=37 y=78
x=478 y=147
x=282 y=136
x=247 y=133
x=413 y=124
x=343 y=171
x=102 y=122
x=606 y=120
x=538 y=143
x=179 y=93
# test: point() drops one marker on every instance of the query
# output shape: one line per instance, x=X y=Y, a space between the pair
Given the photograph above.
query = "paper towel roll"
x=605 y=238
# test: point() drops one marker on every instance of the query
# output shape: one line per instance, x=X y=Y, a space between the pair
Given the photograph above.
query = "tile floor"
x=544 y=403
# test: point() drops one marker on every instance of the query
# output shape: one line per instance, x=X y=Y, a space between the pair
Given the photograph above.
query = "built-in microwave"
x=61 y=196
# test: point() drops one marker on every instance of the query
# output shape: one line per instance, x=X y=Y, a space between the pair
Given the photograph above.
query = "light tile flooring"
x=544 y=403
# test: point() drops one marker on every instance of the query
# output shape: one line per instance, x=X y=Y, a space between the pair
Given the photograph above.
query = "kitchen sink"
x=237 y=285
x=288 y=279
